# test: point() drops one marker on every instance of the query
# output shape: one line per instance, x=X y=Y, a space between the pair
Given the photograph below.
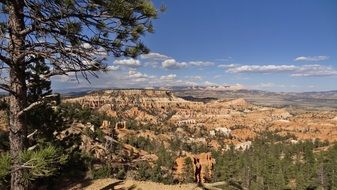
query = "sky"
x=272 y=45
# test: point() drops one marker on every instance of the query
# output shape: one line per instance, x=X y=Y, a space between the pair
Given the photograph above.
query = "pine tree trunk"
x=17 y=135
x=18 y=100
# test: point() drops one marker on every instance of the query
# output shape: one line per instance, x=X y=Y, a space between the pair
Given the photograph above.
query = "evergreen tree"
x=188 y=171
x=270 y=165
x=42 y=120
x=71 y=36
x=38 y=85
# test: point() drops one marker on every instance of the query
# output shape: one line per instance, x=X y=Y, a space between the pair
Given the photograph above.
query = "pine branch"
x=64 y=71
x=37 y=103
x=5 y=60
x=6 y=88
x=33 y=133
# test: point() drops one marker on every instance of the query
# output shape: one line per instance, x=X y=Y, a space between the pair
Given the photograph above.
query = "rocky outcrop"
x=243 y=146
x=220 y=131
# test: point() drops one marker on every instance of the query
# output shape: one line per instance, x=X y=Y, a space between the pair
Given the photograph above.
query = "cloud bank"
x=313 y=70
x=312 y=58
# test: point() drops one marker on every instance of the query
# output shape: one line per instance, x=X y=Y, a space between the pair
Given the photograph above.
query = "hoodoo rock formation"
x=218 y=124
x=244 y=120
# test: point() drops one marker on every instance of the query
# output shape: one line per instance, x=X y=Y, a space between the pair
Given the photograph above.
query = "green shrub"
x=144 y=171
x=5 y=166
x=121 y=172
x=103 y=172
x=141 y=142
x=39 y=163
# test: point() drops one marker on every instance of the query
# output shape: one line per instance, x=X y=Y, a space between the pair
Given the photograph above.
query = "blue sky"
x=288 y=45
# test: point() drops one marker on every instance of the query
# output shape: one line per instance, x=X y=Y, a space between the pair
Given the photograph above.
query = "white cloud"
x=137 y=77
x=121 y=79
x=113 y=68
x=157 y=60
x=154 y=56
x=128 y=62
x=153 y=59
x=312 y=58
x=173 y=64
x=314 y=71
x=136 y=74
x=225 y=66
x=200 y=63
x=189 y=83
x=208 y=83
x=168 y=77
x=261 y=68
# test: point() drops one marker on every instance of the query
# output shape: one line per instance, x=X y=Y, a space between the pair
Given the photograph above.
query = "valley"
x=190 y=131
x=152 y=135
x=237 y=119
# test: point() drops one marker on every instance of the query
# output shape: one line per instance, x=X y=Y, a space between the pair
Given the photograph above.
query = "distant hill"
x=74 y=92
x=278 y=99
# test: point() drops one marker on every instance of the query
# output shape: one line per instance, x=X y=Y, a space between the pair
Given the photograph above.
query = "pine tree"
x=71 y=36
x=38 y=86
